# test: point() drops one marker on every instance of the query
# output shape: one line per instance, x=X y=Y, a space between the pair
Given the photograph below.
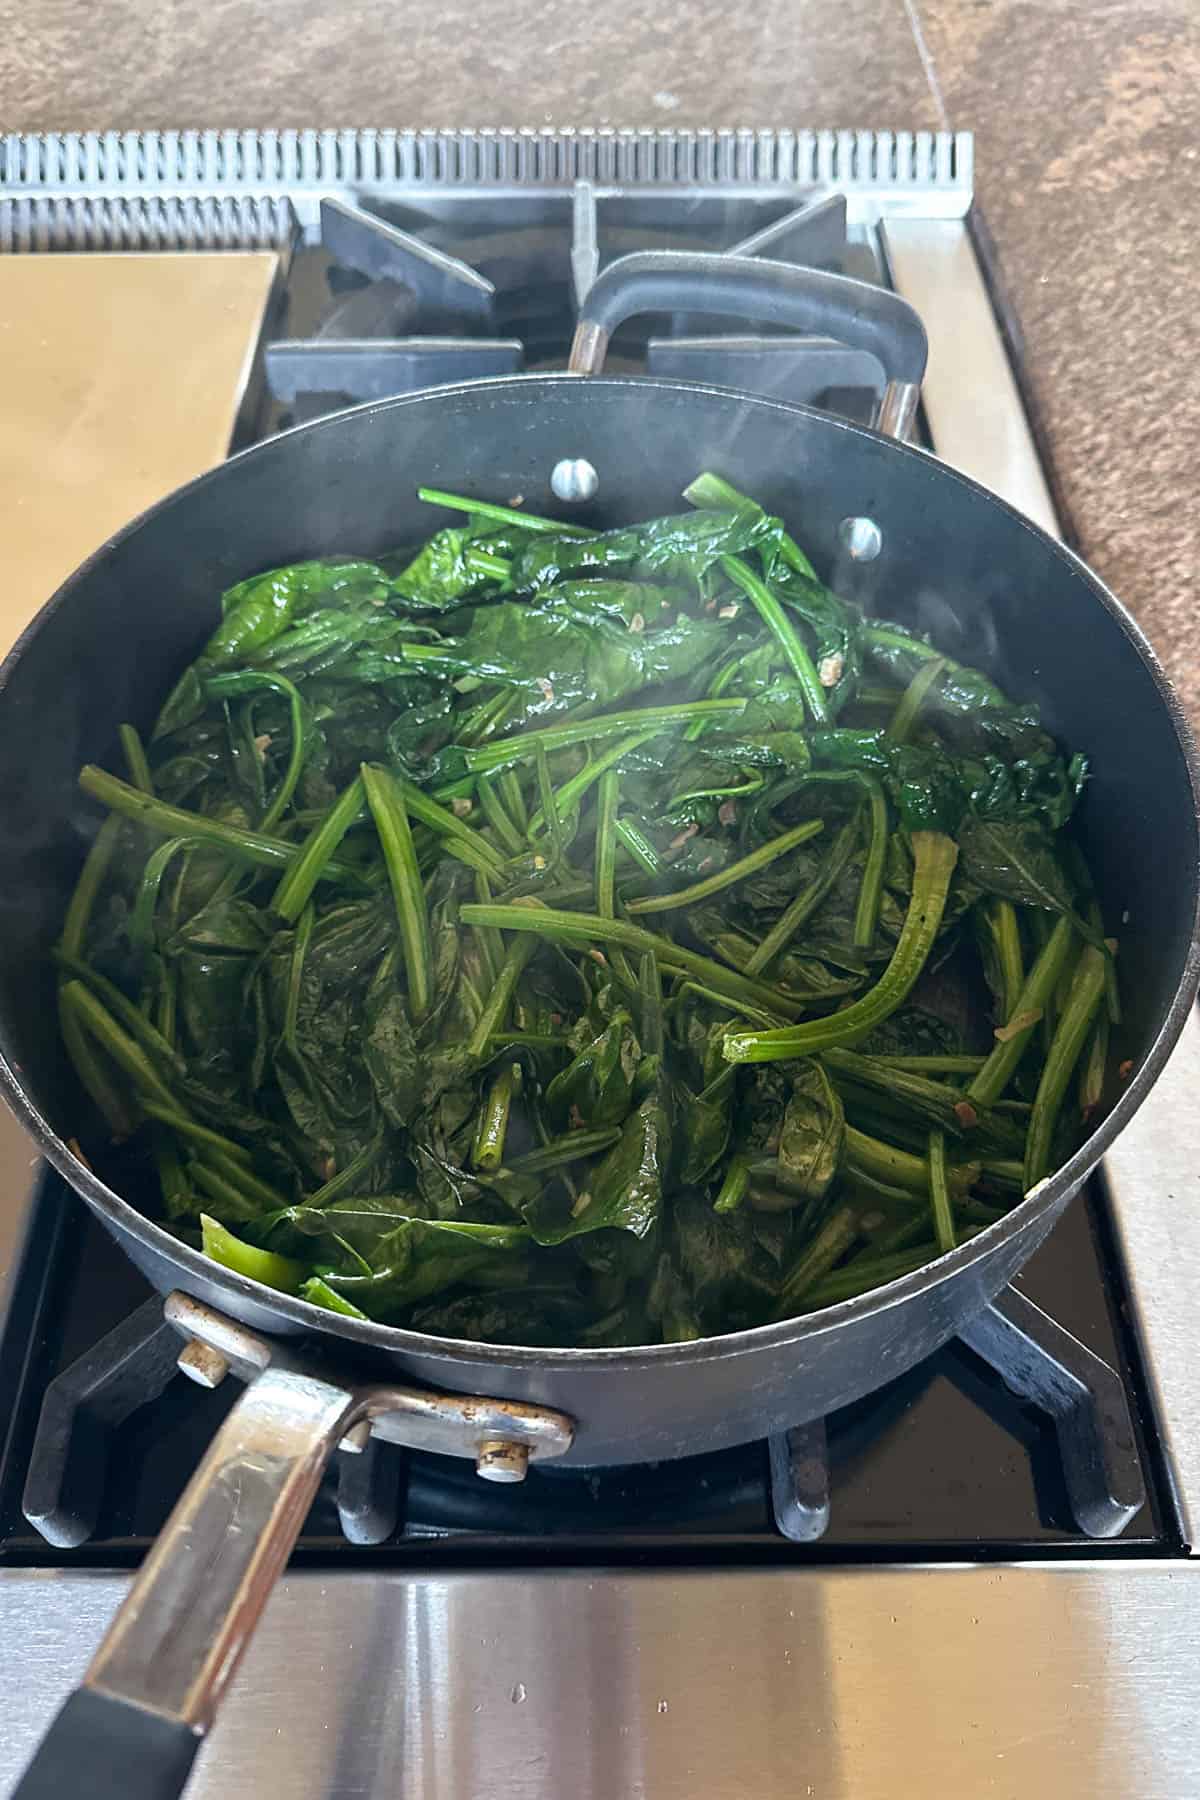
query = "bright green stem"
x=866 y=1273
x=639 y=847
x=828 y=1247
x=395 y=836
x=461 y=841
x=291 y=1014
x=509 y=783
x=319 y=1293
x=496 y=814
x=346 y=1180
x=568 y=796
x=135 y=760
x=933 y=1066
x=124 y=1050
x=777 y=622
x=560 y=737
x=732 y=873
x=866 y=913
x=487 y=1151
x=606 y=842
x=884 y=1163
x=253 y=847
x=734 y=1187
x=589 y=928
x=291 y=896
x=934 y=857
x=1006 y=938
x=939 y=1191
x=1035 y=995
x=549 y=811
x=141 y=919
x=248 y=681
x=607 y=801
x=491 y=1019
x=246 y=1259
x=502 y=515
x=792 y=918
x=913 y=698
x=197 y=1133
x=1074 y=1023
x=135 y=1022
x=1095 y=1066
x=715 y=493
x=91 y=880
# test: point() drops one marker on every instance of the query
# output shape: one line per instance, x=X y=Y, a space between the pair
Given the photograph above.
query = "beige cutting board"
x=120 y=377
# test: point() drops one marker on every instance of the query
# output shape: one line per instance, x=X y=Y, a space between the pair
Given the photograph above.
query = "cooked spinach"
x=523 y=937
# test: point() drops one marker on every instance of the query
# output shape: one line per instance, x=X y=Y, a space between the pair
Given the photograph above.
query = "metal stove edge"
x=838 y=1683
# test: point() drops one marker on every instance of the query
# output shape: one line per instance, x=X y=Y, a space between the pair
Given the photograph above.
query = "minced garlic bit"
x=830 y=669
x=460 y=806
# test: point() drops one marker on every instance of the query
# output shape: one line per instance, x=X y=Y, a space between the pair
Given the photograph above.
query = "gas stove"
x=958 y=1578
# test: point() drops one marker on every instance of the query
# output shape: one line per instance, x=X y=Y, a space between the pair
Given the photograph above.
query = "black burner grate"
x=390 y=305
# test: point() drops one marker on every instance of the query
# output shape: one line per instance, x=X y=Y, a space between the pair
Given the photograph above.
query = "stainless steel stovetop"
x=856 y=1672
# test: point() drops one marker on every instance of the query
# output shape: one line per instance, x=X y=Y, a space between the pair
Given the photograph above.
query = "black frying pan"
x=998 y=592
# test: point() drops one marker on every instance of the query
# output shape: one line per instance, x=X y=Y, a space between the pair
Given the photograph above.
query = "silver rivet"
x=202 y=1364
x=574 y=479
x=862 y=538
x=357 y=1438
x=501 y=1461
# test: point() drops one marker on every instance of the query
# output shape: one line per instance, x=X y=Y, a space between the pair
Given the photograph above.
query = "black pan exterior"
x=992 y=588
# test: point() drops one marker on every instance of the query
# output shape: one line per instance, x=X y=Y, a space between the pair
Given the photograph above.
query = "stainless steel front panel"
x=1063 y=1680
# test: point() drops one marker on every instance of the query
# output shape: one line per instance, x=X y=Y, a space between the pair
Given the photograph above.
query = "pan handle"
x=132 y=1729
x=810 y=300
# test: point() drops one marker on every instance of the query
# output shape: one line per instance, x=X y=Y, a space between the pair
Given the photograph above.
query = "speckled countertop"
x=1088 y=163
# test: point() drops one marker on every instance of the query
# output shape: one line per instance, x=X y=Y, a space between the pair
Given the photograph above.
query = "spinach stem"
x=939 y=1192
x=806 y=902
x=934 y=857
x=502 y=515
x=827 y=1248
x=395 y=837
x=135 y=760
x=1074 y=1023
x=506 y=751
x=590 y=928
x=734 y=1187
x=487 y=1151
x=908 y=708
x=312 y=858
x=248 y=681
x=777 y=622
x=1036 y=993
x=254 y=847
x=866 y=913
x=732 y=874
x=491 y=1019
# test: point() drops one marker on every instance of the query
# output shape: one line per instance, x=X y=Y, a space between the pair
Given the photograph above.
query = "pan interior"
x=991 y=590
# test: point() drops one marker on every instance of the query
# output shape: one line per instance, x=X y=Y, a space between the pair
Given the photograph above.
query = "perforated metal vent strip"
x=246 y=189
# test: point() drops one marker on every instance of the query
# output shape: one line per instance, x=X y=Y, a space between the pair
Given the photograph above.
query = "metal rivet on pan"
x=202 y=1364
x=501 y=1461
x=574 y=478
x=862 y=538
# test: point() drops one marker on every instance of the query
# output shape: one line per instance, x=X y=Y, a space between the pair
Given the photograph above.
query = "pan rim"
x=402 y=1341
